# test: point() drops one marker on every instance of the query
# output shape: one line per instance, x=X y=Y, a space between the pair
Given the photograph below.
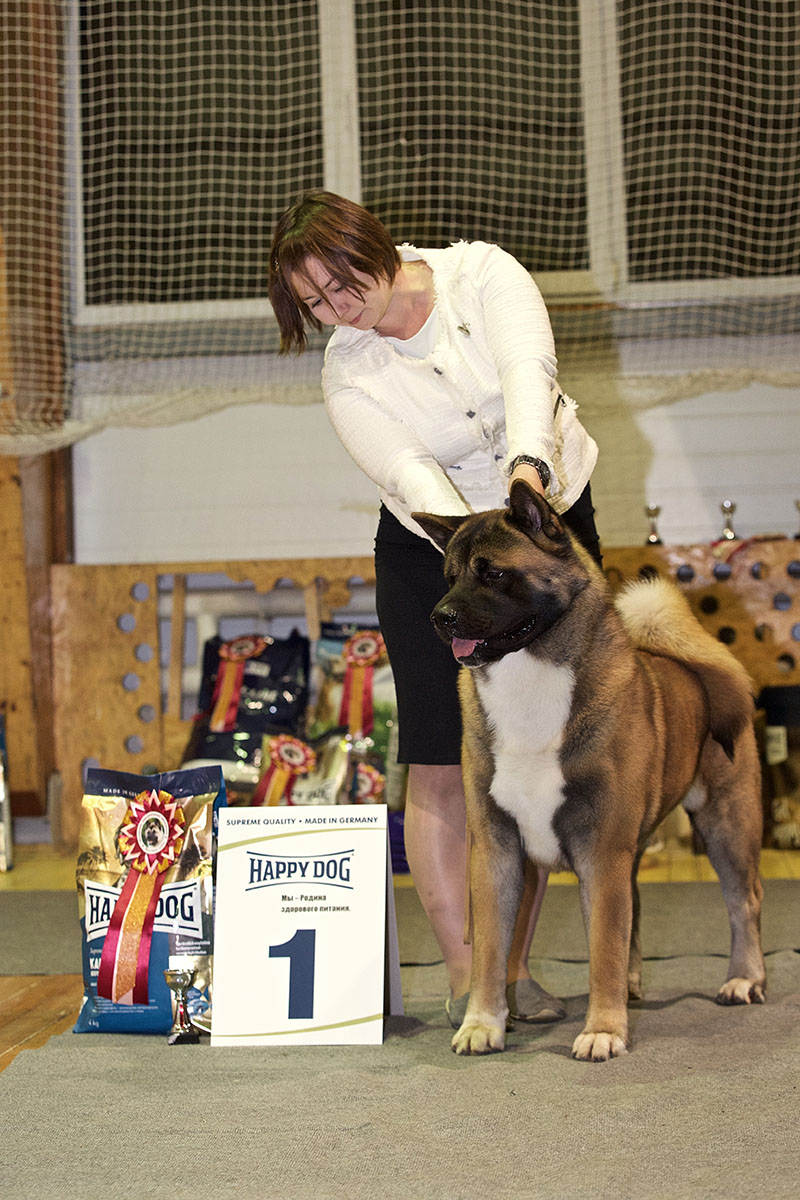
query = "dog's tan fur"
x=577 y=742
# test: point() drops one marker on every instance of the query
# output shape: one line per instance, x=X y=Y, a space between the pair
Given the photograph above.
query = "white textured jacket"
x=437 y=434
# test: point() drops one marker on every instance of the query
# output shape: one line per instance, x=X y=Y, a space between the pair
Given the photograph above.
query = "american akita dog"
x=586 y=720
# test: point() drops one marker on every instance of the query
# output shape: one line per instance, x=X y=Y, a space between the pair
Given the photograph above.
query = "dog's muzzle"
x=447 y=622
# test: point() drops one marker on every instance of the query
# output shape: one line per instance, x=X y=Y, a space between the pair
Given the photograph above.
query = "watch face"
x=540 y=467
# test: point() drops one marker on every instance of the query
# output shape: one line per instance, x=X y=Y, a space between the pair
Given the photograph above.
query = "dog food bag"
x=353 y=688
x=325 y=771
x=145 y=895
x=251 y=686
x=297 y=772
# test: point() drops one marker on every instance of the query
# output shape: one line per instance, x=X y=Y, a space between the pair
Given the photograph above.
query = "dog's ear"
x=532 y=514
x=441 y=529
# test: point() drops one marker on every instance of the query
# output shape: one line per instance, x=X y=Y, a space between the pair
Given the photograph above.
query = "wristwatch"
x=538 y=465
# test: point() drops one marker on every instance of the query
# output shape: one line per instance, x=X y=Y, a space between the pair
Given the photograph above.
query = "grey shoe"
x=456 y=1009
x=529 y=1002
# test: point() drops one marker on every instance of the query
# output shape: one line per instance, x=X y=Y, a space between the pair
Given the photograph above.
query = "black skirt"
x=409 y=583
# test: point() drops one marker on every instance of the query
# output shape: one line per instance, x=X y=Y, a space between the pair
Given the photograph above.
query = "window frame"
x=606 y=281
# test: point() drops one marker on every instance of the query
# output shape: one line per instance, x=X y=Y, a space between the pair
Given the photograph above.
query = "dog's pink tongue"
x=463 y=647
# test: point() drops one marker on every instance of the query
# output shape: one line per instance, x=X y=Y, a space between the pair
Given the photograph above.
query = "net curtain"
x=640 y=158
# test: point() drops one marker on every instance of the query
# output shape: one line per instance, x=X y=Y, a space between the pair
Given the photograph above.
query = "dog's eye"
x=486 y=571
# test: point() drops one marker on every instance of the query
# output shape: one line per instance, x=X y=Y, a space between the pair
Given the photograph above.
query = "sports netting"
x=639 y=157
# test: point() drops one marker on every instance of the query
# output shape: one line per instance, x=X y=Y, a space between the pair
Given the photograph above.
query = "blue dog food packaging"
x=251 y=686
x=145 y=895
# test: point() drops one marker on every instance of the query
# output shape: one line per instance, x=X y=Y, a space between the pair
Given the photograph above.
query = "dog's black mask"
x=504 y=589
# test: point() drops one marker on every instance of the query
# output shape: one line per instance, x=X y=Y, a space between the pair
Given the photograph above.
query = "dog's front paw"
x=592 y=1046
x=741 y=991
x=479 y=1037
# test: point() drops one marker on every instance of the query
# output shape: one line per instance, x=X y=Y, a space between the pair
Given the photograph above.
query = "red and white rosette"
x=150 y=842
x=228 y=687
x=288 y=758
x=361 y=653
x=369 y=784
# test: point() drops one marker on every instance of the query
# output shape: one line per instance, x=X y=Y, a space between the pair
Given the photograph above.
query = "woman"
x=440 y=381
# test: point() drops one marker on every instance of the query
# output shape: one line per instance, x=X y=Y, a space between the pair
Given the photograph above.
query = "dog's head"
x=512 y=572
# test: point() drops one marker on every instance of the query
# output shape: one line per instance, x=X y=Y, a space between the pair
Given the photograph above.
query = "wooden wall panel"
x=745 y=593
x=94 y=714
x=104 y=631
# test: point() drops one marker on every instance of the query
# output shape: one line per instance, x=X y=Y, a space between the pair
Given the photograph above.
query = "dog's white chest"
x=527 y=703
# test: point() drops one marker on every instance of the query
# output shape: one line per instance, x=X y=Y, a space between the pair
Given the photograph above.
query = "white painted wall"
x=689 y=455
x=269 y=481
x=254 y=481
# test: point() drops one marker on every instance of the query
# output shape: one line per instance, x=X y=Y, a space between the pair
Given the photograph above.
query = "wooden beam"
x=26 y=772
x=35 y=493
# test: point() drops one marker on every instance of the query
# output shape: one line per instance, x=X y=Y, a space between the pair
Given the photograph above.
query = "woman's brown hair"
x=341 y=235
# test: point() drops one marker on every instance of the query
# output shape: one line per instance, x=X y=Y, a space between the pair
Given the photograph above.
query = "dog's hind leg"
x=730 y=824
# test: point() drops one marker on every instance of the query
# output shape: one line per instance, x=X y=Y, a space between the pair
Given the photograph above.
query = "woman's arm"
x=390 y=453
x=520 y=341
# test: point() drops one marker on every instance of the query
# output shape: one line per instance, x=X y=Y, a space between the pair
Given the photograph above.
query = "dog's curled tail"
x=658 y=618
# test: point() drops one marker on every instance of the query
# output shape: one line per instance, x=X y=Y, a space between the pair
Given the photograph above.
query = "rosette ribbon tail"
x=225 y=700
x=125 y=960
x=361 y=654
x=356 y=711
x=271 y=786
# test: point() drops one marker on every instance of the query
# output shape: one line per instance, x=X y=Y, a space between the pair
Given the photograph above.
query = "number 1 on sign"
x=300 y=950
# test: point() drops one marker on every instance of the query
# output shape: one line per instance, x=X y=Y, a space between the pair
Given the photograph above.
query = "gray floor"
x=703 y=1106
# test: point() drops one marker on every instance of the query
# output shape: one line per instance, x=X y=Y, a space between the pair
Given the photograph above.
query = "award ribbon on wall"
x=150 y=841
x=361 y=653
x=228 y=687
x=289 y=757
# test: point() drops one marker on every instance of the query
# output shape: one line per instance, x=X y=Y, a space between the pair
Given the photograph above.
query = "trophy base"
x=183 y=1037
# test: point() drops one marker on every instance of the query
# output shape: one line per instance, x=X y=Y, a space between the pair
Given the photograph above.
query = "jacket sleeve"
x=520 y=341
x=389 y=452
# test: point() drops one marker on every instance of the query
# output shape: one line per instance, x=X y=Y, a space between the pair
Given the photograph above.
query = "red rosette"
x=150 y=841
x=288 y=758
x=151 y=837
x=363 y=649
x=369 y=784
x=241 y=648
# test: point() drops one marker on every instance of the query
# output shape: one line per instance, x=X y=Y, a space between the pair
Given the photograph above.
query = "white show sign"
x=305 y=937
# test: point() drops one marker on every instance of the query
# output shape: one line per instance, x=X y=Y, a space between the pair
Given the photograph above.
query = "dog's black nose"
x=444 y=616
